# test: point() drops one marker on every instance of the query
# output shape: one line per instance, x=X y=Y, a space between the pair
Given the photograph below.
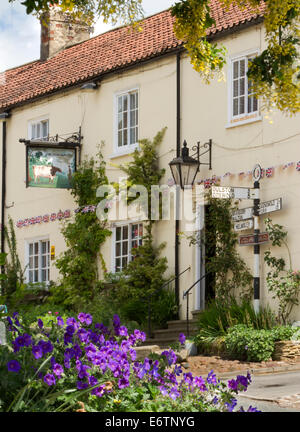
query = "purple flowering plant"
x=78 y=360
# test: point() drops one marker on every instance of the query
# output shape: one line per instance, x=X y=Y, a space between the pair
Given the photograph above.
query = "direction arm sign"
x=234 y=192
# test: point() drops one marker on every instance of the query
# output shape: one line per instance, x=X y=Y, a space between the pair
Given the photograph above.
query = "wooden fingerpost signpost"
x=247 y=218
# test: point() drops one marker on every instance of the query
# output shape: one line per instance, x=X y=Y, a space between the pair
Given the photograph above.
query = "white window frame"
x=39 y=121
x=246 y=117
x=128 y=148
x=130 y=239
x=40 y=268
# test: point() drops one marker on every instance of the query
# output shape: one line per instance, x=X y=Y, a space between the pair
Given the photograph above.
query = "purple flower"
x=231 y=405
x=98 y=391
x=211 y=378
x=49 y=379
x=233 y=385
x=188 y=378
x=182 y=338
x=70 y=329
x=252 y=409
x=88 y=319
x=37 y=351
x=72 y=321
x=215 y=400
x=123 y=382
x=60 y=321
x=46 y=346
x=58 y=370
x=27 y=339
x=82 y=385
x=116 y=321
x=83 y=371
x=83 y=335
x=199 y=381
x=69 y=353
x=20 y=341
x=123 y=331
x=243 y=381
x=163 y=391
x=13 y=366
x=40 y=323
x=81 y=317
x=174 y=393
x=92 y=381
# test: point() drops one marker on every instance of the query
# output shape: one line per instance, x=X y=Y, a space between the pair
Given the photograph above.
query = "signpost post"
x=256 y=174
x=248 y=218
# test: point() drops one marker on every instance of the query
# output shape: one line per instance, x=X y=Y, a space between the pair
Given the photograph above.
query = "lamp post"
x=185 y=167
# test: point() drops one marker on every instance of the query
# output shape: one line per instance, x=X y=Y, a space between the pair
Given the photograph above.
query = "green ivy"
x=143 y=278
x=282 y=282
x=84 y=235
x=229 y=270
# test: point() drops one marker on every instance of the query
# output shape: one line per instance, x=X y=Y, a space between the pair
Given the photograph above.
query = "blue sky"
x=20 y=33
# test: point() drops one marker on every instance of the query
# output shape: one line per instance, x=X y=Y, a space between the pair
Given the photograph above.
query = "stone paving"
x=203 y=364
x=224 y=368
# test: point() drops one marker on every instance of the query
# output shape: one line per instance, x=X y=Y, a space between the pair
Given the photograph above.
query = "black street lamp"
x=185 y=168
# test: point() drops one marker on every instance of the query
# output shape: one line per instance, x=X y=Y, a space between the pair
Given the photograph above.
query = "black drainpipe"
x=178 y=145
x=3 y=194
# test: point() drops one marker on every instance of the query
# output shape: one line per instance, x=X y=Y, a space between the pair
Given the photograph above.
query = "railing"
x=186 y=294
x=154 y=293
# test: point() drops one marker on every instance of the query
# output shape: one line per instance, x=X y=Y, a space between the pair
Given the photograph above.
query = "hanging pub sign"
x=51 y=162
x=49 y=167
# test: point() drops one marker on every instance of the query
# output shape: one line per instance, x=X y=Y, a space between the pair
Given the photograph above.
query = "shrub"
x=80 y=361
x=215 y=321
x=246 y=343
x=281 y=333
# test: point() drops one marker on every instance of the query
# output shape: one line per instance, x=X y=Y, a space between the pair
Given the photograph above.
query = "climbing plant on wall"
x=144 y=275
x=84 y=235
x=282 y=281
x=227 y=269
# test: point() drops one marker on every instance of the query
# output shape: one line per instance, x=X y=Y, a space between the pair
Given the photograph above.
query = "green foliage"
x=143 y=170
x=244 y=343
x=13 y=279
x=2 y=263
x=282 y=333
x=284 y=284
x=274 y=73
x=78 y=265
x=143 y=278
x=224 y=263
x=114 y=11
x=141 y=282
x=215 y=321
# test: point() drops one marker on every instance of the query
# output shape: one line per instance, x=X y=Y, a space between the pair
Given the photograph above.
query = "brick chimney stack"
x=59 y=30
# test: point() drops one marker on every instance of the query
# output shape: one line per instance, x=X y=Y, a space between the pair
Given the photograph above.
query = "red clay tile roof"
x=104 y=53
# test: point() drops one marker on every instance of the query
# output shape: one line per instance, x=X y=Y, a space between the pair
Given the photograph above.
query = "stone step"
x=170 y=333
x=162 y=343
x=182 y=325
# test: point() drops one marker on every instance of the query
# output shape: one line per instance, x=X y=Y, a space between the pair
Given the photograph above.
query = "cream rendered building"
x=153 y=74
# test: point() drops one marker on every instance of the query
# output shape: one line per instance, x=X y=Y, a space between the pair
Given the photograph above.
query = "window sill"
x=124 y=152
x=244 y=120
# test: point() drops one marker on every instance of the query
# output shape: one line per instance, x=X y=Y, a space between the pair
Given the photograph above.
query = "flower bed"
x=82 y=364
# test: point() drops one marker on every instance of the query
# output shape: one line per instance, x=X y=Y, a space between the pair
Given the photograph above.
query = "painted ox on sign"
x=44 y=172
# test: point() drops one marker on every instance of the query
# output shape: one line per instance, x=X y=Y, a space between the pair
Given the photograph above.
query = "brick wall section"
x=58 y=32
